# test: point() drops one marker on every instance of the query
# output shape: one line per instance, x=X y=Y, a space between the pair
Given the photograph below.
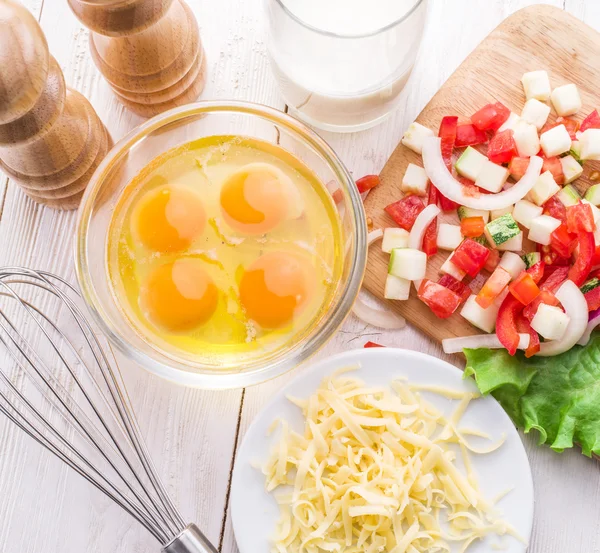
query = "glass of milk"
x=342 y=64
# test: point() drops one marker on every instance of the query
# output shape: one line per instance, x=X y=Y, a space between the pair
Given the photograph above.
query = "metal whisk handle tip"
x=190 y=540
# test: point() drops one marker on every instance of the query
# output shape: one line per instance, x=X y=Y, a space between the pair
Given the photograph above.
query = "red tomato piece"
x=592 y=121
x=490 y=117
x=524 y=326
x=580 y=270
x=554 y=277
x=470 y=256
x=537 y=271
x=441 y=300
x=472 y=226
x=367 y=182
x=580 y=218
x=593 y=299
x=447 y=204
x=502 y=147
x=550 y=257
x=555 y=208
x=546 y=297
x=506 y=323
x=433 y=194
x=469 y=135
x=596 y=260
x=458 y=287
x=370 y=344
x=405 y=211
x=492 y=261
x=447 y=133
x=493 y=287
x=524 y=288
x=562 y=241
x=571 y=125
x=518 y=166
x=554 y=165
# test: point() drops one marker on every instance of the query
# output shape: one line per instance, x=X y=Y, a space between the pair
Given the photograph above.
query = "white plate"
x=254 y=511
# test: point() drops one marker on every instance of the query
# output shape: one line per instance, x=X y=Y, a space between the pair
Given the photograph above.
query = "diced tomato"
x=458 y=287
x=337 y=195
x=502 y=147
x=580 y=218
x=470 y=256
x=585 y=257
x=554 y=277
x=546 y=297
x=571 y=125
x=555 y=208
x=524 y=288
x=562 y=241
x=524 y=327
x=537 y=271
x=518 y=166
x=593 y=299
x=493 y=287
x=506 y=323
x=592 y=121
x=441 y=300
x=447 y=133
x=447 y=204
x=490 y=117
x=550 y=257
x=472 y=226
x=469 y=135
x=367 y=182
x=596 y=260
x=554 y=165
x=492 y=261
x=405 y=211
x=433 y=194
x=469 y=187
x=430 y=236
x=370 y=344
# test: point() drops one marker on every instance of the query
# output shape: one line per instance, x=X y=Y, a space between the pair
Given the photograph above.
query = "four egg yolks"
x=168 y=219
x=255 y=199
x=179 y=296
x=275 y=287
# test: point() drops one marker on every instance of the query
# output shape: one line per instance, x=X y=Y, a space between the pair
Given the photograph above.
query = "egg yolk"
x=255 y=199
x=168 y=219
x=179 y=296
x=276 y=287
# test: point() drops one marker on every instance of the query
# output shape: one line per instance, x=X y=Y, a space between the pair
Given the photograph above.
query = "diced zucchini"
x=566 y=100
x=414 y=136
x=464 y=212
x=590 y=144
x=556 y=141
x=571 y=168
x=407 y=263
x=550 y=322
x=491 y=177
x=568 y=195
x=481 y=240
x=576 y=150
x=396 y=288
x=512 y=264
x=592 y=194
x=531 y=259
x=541 y=229
x=415 y=180
x=536 y=84
x=595 y=210
x=544 y=188
x=501 y=230
x=470 y=163
x=496 y=213
x=515 y=244
x=525 y=211
x=510 y=123
x=484 y=319
x=535 y=112
x=590 y=285
x=394 y=238
x=451 y=269
x=448 y=237
x=526 y=138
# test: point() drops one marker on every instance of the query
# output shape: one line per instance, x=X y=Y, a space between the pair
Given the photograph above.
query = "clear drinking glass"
x=341 y=64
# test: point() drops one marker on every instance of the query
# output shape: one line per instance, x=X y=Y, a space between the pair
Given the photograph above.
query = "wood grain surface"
x=536 y=37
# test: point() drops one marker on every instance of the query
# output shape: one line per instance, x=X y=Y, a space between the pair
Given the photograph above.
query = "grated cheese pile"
x=374 y=472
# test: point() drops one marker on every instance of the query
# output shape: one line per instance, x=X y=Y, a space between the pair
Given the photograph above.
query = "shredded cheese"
x=373 y=472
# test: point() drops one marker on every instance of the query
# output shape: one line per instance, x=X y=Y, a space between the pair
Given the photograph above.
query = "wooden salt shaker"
x=51 y=139
x=149 y=51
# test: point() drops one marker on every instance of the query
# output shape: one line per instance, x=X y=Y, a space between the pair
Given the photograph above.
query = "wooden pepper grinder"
x=51 y=139
x=149 y=51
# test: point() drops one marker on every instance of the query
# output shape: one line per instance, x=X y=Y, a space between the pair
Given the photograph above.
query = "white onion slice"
x=573 y=301
x=444 y=181
x=583 y=341
x=415 y=238
x=382 y=318
x=374 y=235
x=489 y=341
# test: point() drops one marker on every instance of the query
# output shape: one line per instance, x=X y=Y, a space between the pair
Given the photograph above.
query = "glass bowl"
x=171 y=129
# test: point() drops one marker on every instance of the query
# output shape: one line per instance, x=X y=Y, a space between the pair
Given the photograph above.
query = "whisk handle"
x=191 y=540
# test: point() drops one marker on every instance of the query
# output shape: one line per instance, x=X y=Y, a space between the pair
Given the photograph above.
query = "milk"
x=339 y=70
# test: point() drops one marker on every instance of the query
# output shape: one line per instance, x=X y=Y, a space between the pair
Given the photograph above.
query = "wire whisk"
x=58 y=386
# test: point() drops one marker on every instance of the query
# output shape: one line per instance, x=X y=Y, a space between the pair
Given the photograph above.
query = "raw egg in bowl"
x=215 y=258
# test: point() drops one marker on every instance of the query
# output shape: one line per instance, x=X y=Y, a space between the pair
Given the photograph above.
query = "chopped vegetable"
x=526 y=138
x=524 y=326
x=447 y=134
x=515 y=244
x=502 y=147
x=446 y=204
x=591 y=284
x=449 y=268
x=493 y=287
x=542 y=228
x=487 y=341
x=512 y=264
x=415 y=239
x=394 y=238
x=568 y=195
x=571 y=125
x=529 y=259
x=464 y=212
x=535 y=112
x=554 y=165
x=506 y=323
x=592 y=194
x=370 y=344
x=555 y=208
x=566 y=100
x=470 y=257
x=592 y=121
x=484 y=319
x=382 y=318
x=536 y=84
x=469 y=135
x=472 y=226
x=493 y=260
x=470 y=163
x=589 y=142
x=580 y=270
x=525 y=211
x=545 y=187
x=415 y=180
x=441 y=300
x=458 y=287
x=501 y=230
x=546 y=297
x=580 y=218
x=490 y=117
x=491 y=177
x=497 y=213
x=510 y=123
x=367 y=182
x=518 y=166
x=555 y=278
x=536 y=271
x=415 y=135
x=404 y=212
x=562 y=241
x=556 y=141
x=592 y=296
x=407 y=263
x=396 y=288
x=449 y=237
x=524 y=288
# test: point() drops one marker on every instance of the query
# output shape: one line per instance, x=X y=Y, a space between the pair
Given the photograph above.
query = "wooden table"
x=193 y=435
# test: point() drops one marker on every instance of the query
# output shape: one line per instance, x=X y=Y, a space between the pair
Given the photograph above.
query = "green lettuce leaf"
x=557 y=396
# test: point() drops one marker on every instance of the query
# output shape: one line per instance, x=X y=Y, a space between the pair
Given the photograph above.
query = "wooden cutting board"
x=537 y=37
